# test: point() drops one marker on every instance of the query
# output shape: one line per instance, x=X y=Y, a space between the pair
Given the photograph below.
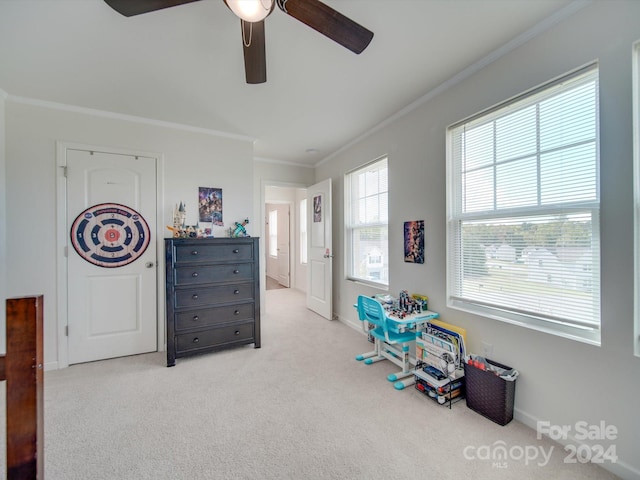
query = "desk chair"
x=389 y=343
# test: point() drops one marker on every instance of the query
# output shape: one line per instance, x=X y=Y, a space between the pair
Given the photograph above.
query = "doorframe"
x=62 y=242
x=263 y=256
x=291 y=240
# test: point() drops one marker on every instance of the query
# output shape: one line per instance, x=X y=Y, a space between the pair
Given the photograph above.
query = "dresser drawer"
x=194 y=297
x=214 y=337
x=213 y=316
x=213 y=253
x=199 y=274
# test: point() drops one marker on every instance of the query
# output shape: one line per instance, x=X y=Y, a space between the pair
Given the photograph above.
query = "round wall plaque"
x=110 y=235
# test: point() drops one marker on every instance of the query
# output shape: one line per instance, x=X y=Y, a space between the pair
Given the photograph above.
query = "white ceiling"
x=185 y=64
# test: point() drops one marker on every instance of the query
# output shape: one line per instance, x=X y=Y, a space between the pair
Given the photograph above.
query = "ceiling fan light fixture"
x=250 y=10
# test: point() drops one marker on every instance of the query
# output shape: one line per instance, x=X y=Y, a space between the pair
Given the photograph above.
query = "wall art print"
x=414 y=241
x=210 y=205
x=317 y=209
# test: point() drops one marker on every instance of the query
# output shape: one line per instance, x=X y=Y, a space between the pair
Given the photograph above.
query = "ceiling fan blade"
x=255 y=60
x=129 y=8
x=328 y=22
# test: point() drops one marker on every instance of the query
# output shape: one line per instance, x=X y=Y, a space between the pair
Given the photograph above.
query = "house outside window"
x=523 y=210
x=366 y=194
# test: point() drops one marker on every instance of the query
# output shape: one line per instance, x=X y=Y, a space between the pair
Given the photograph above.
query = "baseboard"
x=354 y=325
x=620 y=468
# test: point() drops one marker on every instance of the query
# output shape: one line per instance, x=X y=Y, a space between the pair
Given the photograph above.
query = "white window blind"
x=273 y=233
x=303 y=231
x=523 y=224
x=366 y=191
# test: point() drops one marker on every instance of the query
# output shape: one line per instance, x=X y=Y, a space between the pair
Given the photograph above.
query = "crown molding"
x=282 y=162
x=126 y=118
x=516 y=42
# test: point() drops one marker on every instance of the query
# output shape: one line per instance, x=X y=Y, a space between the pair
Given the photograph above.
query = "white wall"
x=561 y=381
x=192 y=159
x=3 y=224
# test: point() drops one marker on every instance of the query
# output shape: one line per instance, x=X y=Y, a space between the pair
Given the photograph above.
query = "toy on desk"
x=404 y=305
x=239 y=230
x=421 y=299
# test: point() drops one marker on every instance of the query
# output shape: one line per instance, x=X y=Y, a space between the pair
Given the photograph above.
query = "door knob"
x=150 y=264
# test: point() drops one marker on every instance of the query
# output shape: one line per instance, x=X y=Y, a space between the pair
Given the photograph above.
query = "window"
x=523 y=210
x=303 y=231
x=366 y=194
x=273 y=233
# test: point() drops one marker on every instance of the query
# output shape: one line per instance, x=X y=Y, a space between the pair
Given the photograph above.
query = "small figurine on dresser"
x=239 y=230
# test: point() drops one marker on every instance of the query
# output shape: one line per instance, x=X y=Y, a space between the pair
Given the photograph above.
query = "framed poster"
x=414 y=241
x=210 y=205
x=317 y=226
x=317 y=209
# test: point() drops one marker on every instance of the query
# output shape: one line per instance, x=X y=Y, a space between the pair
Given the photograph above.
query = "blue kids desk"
x=396 y=353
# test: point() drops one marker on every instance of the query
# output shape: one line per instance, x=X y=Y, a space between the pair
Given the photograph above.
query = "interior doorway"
x=278 y=245
x=283 y=253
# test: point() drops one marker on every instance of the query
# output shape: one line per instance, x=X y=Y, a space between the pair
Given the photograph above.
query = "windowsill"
x=378 y=286
x=575 y=334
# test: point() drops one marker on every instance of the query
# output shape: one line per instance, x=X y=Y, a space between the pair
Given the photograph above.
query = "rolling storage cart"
x=447 y=391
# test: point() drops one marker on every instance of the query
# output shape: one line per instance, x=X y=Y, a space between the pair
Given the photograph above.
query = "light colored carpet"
x=300 y=407
x=272 y=283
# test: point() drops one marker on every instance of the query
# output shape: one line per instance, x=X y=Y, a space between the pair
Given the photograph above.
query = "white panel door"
x=319 y=249
x=112 y=284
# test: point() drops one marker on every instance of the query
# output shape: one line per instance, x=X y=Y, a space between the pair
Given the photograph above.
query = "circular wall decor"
x=110 y=235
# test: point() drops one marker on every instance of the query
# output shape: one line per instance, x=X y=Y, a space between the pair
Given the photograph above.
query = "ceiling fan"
x=252 y=13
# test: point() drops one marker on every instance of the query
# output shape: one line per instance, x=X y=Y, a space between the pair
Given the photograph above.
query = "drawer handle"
x=237 y=312
x=196 y=340
x=237 y=332
x=194 y=274
x=196 y=318
x=235 y=250
x=195 y=297
x=236 y=271
x=236 y=292
x=194 y=252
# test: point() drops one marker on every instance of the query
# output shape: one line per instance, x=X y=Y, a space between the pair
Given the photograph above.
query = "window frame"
x=456 y=216
x=349 y=229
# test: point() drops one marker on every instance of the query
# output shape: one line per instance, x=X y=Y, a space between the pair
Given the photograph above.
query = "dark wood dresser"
x=213 y=295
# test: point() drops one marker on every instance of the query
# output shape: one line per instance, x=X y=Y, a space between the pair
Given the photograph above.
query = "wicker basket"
x=489 y=394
